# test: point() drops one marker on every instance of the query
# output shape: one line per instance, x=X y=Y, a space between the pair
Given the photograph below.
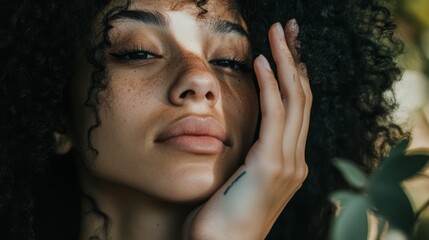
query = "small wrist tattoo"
x=230 y=185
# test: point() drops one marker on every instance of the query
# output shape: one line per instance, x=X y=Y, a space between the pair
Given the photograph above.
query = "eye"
x=236 y=65
x=134 y=55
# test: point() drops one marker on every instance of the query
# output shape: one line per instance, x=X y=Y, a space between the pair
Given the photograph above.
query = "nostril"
x=210 y=96
x=187 y=93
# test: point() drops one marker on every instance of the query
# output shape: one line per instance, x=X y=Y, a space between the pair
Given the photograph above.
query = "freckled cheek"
x=243 y=108
x=133 y=88
x=129 y=100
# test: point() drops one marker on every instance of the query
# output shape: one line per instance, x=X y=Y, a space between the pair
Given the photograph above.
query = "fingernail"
x=280 y=30
x=263 y=60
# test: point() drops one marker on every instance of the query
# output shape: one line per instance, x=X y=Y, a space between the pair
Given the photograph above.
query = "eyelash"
x=136 y=54
x=233 y=64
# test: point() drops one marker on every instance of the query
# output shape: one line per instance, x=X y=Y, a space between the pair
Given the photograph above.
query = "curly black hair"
x=348 y=47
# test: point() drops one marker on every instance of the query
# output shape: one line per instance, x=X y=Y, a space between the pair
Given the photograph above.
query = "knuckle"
x=289 y=172
x=278 y=171
x=301 y=98
x=275 y=112
x=275 y=168
x=301 y=173
x=271 y=170
x=308 y=94
x=278 y=112
x=296 y=174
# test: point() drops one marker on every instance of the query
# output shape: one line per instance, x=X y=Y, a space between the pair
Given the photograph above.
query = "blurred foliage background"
x=393 y=202
x=412 y=18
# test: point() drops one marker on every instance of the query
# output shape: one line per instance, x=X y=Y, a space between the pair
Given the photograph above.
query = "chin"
x=197 y=187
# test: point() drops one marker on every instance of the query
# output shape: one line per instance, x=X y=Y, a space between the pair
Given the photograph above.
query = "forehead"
x=213 y=9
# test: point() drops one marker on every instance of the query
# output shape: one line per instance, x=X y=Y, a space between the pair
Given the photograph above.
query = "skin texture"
x=275 y=166
x=147 y=179
x=148 y=97
x=347 y=46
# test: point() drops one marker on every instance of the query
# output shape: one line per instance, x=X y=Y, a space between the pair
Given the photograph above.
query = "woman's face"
x=180 y=110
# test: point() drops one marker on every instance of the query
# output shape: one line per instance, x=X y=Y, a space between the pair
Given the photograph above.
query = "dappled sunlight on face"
x=180 y=102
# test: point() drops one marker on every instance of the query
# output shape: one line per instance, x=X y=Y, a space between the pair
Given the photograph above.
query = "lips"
x=195 y=135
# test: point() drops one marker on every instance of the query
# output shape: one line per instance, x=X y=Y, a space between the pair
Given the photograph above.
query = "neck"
x=116 y=212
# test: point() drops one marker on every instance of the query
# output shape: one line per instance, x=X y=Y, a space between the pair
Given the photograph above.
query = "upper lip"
x=195 y=126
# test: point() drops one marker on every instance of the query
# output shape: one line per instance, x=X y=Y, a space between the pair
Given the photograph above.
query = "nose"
x=194 y=83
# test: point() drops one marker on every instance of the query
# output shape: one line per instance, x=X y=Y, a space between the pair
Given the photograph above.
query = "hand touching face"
x=275 y=166
x=179 y=115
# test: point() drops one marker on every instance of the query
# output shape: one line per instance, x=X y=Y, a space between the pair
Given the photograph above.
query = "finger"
x=302 y=140
x=291 y=89
x=291 y=32
x=286 y=68
x=271 y=105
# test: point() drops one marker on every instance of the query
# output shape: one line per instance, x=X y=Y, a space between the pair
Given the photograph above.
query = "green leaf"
x=398 y=149
x=391 y=202
x=343 y=197
x=352 y=222
x=353 y=175
x=401 y=167
x=398 y=166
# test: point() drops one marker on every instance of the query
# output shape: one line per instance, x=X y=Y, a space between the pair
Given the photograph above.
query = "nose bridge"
x=191 y=63
x=194 y=82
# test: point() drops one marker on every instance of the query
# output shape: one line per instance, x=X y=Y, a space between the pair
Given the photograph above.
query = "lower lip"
x=196 y=144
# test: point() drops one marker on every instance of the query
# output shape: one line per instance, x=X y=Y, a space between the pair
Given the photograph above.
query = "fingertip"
x=292 y=26
x=263 y=62
x=276 y=28
x=291 y=33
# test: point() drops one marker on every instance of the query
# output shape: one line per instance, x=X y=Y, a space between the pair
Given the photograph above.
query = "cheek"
x=121 y=137
x=130 y=88
x=120 y=108
x=242 y=107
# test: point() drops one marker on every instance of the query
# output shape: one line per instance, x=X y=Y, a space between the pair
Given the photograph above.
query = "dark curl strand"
x=99 y=79
x=348 y=47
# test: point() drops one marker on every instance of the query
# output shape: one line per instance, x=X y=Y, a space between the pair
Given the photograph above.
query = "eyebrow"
x=158 y=19
x=147 y=17
x=222 y=26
